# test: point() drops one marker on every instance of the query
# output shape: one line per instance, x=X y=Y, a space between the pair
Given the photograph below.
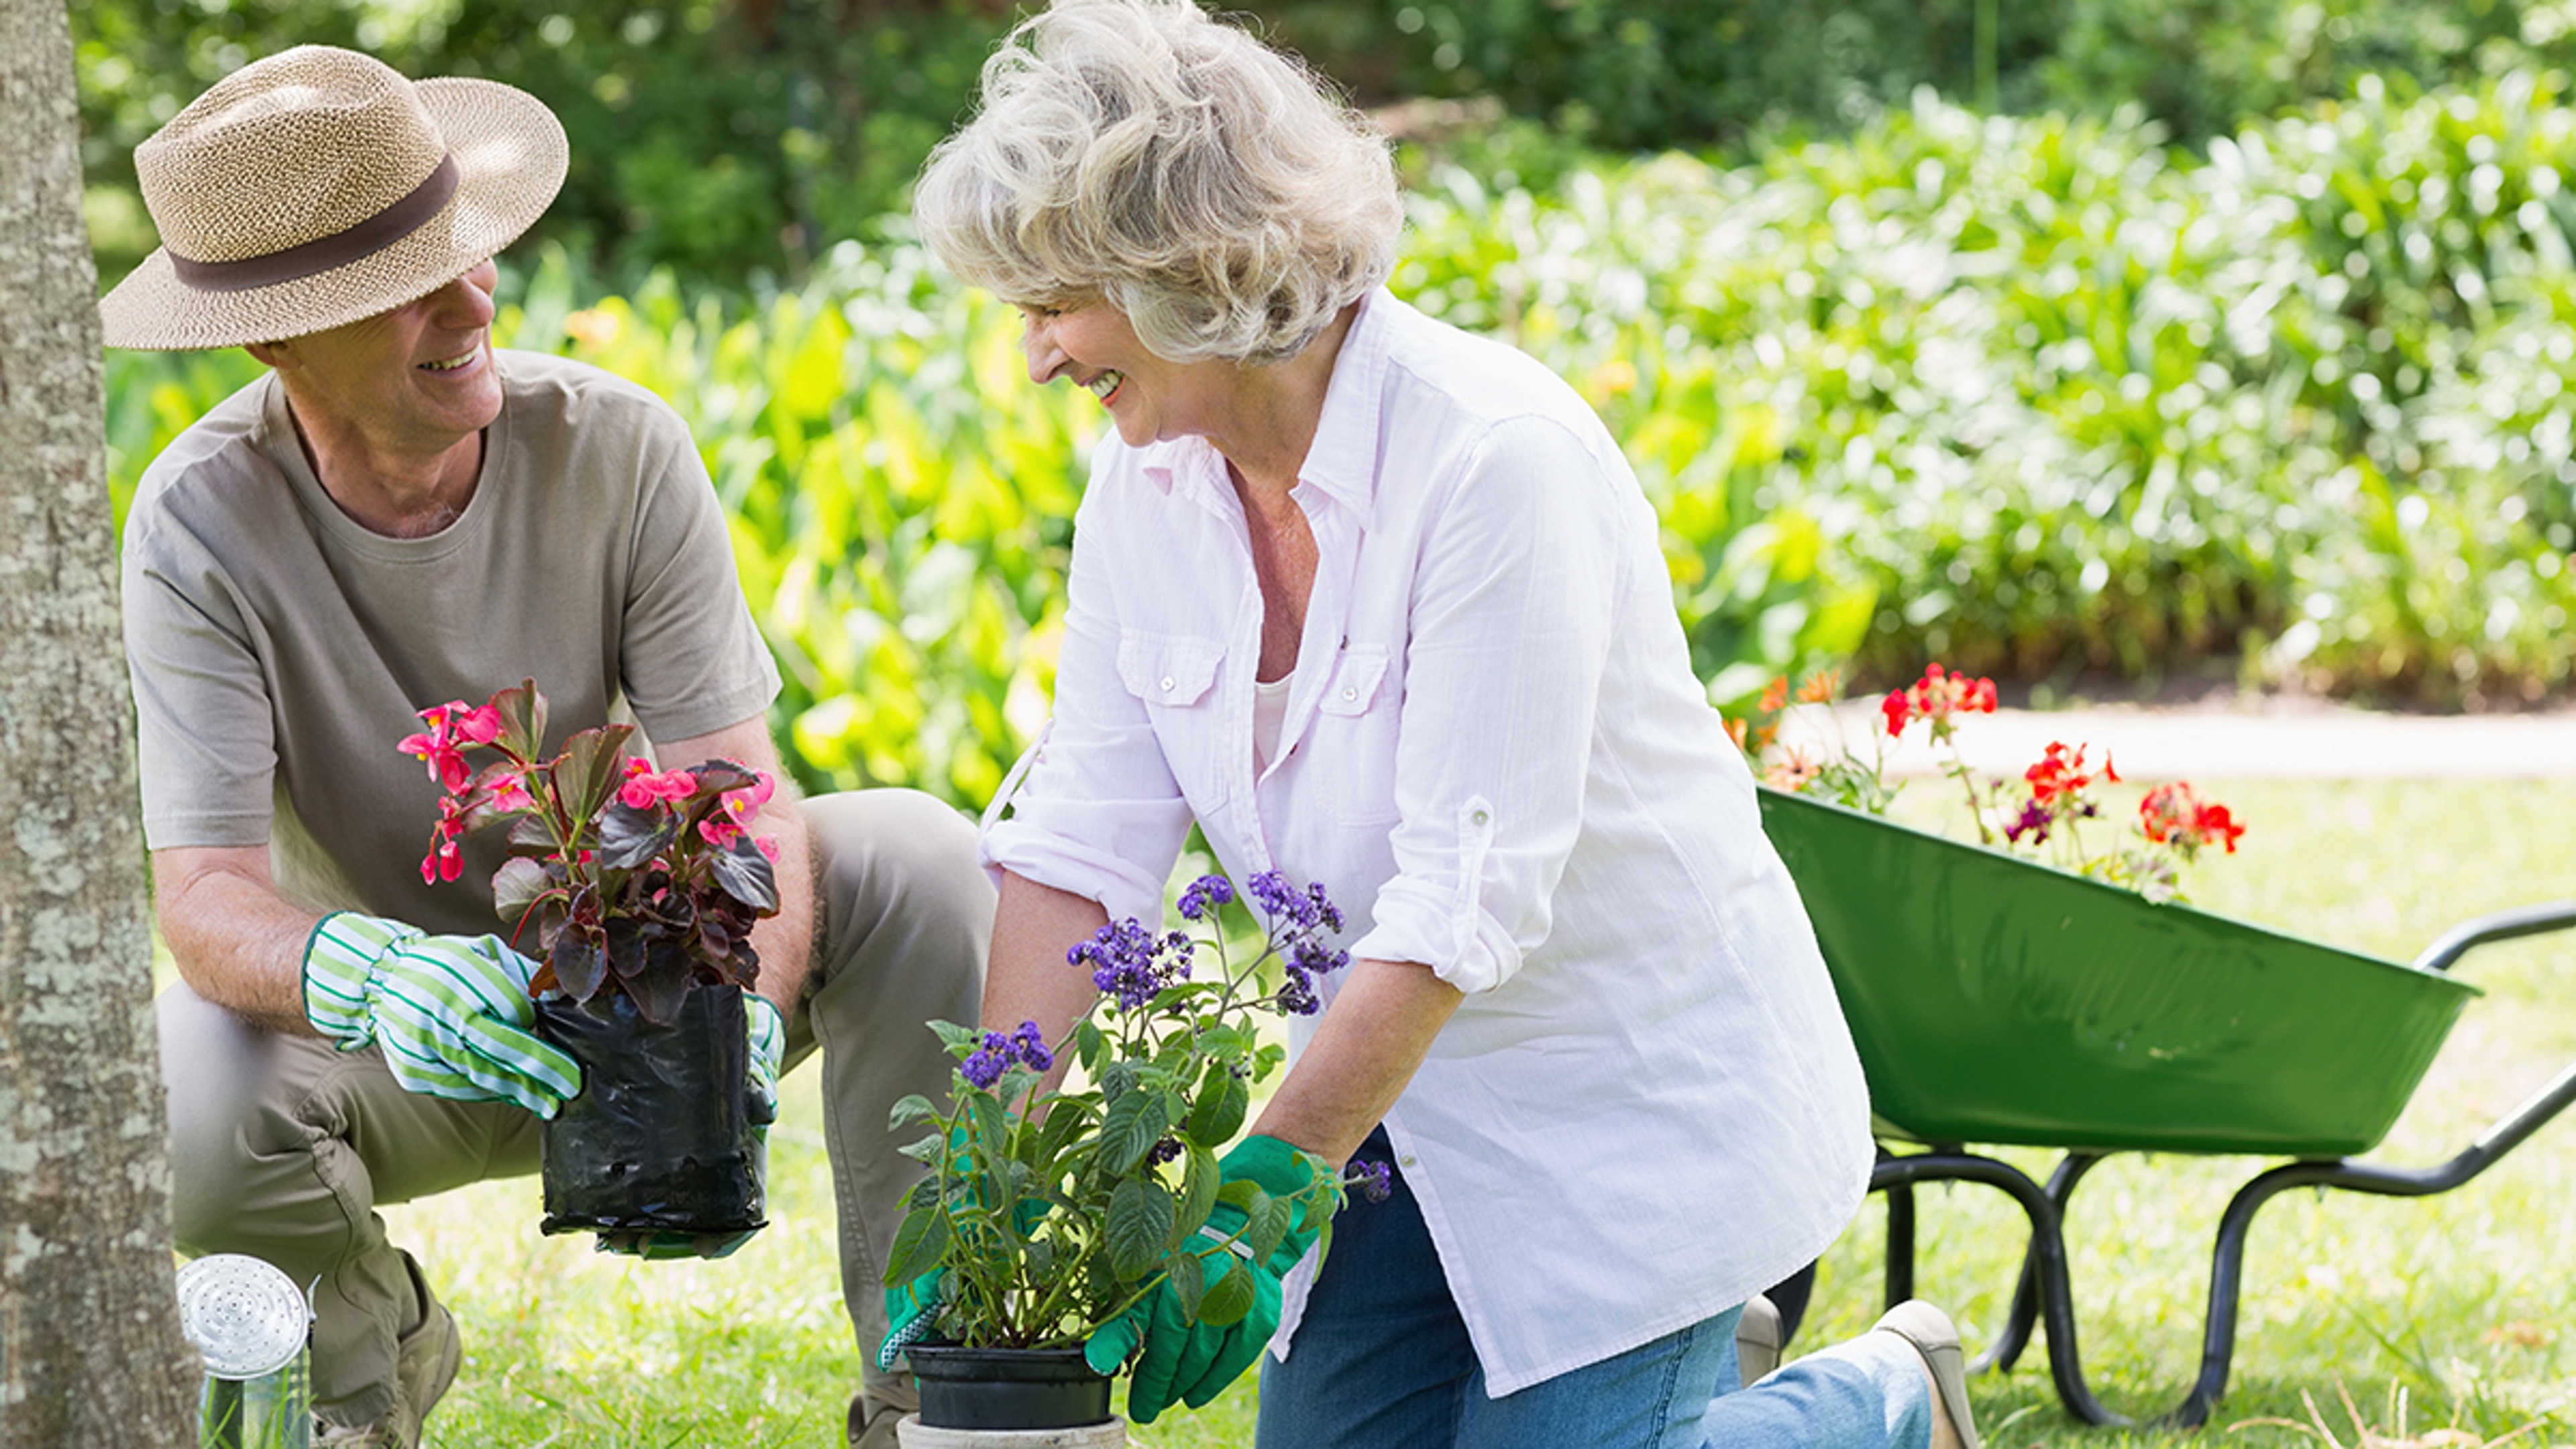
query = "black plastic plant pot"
x=1007 y=1388
x=661 y=1136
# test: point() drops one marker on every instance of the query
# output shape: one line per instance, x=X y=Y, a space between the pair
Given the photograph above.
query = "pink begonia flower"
x=735 y=808
x=510 y=793
x=769 y=846
x=723 y=828
x=452 y=726
x=446 y=858
x=643 y=788
x=445 y=861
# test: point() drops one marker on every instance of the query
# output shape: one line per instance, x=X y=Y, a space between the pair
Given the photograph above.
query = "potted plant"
x=1050 y=1212
x=638 y=890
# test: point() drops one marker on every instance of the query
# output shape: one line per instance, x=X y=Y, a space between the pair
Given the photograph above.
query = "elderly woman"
x=1379 y=605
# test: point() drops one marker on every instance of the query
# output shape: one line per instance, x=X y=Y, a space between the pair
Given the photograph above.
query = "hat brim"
x=511 y=156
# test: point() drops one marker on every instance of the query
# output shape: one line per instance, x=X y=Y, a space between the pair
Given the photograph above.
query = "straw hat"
x=318 y=187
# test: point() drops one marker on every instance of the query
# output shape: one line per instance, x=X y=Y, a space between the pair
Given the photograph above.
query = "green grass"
x=2466 y=1301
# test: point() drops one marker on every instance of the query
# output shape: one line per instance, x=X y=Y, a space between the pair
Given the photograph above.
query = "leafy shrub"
x=2025 y=395
x=2062 y=398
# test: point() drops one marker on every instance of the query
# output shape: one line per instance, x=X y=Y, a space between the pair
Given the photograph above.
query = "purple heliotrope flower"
x=1026 y=1047
x=1300 y=923
x=1131 y=963
x=1202 y=897
x=1372 y=1180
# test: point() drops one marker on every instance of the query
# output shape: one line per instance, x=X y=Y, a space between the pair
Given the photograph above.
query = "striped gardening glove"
x=451 y=1013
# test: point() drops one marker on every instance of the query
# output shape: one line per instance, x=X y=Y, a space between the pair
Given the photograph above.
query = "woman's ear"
x=277 y=355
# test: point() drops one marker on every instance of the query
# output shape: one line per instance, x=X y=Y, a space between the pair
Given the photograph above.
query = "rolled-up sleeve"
x=1092 y=808
x=1513 y=609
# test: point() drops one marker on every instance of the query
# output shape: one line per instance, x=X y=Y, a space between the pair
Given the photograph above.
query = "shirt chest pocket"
x=1173 y=676
x=1355 y=737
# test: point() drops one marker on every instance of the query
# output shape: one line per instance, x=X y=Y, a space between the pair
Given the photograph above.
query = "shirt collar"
x=1342 y=461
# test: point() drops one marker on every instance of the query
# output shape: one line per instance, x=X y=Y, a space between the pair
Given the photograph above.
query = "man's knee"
x=885 y=853
x=221 y=1075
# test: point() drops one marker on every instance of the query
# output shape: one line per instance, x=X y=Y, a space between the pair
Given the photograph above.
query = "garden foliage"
x=726 y=138
x=2031 y=395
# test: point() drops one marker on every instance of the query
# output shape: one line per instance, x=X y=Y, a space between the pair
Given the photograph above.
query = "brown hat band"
x=324 y=253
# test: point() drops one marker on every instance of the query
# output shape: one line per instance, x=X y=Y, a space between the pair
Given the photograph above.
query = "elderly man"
x=395 y=516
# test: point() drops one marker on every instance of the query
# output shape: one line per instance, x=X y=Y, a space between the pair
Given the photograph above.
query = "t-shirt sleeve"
x=693 y=659
x=205 y=736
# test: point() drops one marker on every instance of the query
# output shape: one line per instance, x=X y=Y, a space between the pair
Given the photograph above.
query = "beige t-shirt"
x=279 y=650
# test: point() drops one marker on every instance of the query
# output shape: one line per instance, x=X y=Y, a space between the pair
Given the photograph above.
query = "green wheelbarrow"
x=1994 y=1000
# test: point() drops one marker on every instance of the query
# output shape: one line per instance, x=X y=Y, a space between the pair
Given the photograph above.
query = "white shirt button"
x=1168 y=684
x=1348 y=692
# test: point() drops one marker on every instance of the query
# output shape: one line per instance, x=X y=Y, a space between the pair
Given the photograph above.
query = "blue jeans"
x=1382 y=1361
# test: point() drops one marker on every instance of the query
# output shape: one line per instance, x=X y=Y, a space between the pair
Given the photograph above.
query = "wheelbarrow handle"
x=2501 y=926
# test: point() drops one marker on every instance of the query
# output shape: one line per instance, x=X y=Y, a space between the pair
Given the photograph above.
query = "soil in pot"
x=661 y=1137
x=1008 y=1388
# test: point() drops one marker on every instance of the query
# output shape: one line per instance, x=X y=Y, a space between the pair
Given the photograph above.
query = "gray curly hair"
x=1139 y=152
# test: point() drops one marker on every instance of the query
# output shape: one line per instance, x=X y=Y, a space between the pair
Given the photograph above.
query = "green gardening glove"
x=1194 y=1361
x=767 y=1034
x=451 y=1013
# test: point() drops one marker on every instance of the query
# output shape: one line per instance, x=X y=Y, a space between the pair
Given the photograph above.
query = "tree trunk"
x=90 y=1349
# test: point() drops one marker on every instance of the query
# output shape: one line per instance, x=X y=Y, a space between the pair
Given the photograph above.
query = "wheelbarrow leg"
x=1900 y=1245
x=2008 y=1347
x=2227 y=1264
x=2046 y=1258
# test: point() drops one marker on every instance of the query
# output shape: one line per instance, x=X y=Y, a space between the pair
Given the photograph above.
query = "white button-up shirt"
x=1498 y=762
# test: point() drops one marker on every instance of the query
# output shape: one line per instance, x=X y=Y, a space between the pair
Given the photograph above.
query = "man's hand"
x=1193 y=1362
x=766 y=1031
x=451 y=1013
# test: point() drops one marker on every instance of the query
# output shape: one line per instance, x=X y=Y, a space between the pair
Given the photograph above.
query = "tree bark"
x=90 y=1348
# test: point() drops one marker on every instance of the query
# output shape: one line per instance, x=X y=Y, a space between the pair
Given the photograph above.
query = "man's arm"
x=785 y=941
x=238 y=943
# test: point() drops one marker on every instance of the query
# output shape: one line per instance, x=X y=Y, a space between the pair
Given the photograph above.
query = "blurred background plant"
x=2244 y=358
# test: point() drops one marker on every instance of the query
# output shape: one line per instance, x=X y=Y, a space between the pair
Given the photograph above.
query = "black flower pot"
x=1007 y=1388
x=661 y=1137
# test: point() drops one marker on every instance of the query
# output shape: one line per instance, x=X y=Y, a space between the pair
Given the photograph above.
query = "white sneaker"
x=1757 y=1339
x=1933 y=1335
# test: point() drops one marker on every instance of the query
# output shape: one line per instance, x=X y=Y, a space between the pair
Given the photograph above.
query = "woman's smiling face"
x=1150 y=398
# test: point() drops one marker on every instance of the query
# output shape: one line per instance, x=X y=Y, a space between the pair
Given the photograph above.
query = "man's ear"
x=276 y=355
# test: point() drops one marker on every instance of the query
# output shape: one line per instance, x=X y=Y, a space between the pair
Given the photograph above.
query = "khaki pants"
x=282 y=1147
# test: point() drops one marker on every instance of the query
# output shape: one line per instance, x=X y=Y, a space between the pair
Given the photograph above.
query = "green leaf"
x=1199 y=1178
x=918 y=1245
x=595 y=758
x=1137 y=1224
x=1118 y=1079
x=1134 y=1124
x=1188 y=1274
x=519 y=884
x=1218 y=1114
x=1088 y=1046
x=1271 y=1218
x=1066 y=1120
x=1232 y=1296
x=530 y=836
x=958 y=1039
x=523 y=719
x=914 y=1108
